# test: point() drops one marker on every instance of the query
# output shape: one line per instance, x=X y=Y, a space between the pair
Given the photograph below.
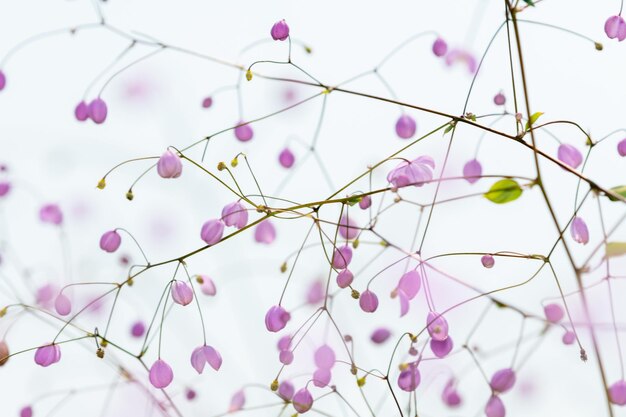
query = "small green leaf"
x=620 y=189
x=448 y=128
x=530 y=2
x=353 y=200
x=504 y=191
x=614 y=249
x=533 y=119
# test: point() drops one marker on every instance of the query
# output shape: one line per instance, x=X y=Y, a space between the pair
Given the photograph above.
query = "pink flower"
x=503 y=380
x=617 y=392
x=410 y=378
x=276 y=318
x=212 y=231
x=437 y=326
x=280 y=30
x=554 y=313
x=47 y=355
x=265 y=232
x=405 y=126
x=207 y=102
x=568 y=338
x=235 y=214
x=487 y=261
x=285 y=357
x=286 y=390
x=3 y=80
x=461 y=56
x=410 y=283
x=415 y=173
x=243 y=132
x=324 y=357
x=286 y=158
x=344 y=278
x=62 y=305
x=368 y=301
x=98 y=110
x=5 y=187
x=26 y=411
x=495 y=407
x=499 y=99
x=472 y=171
x=441 y=348
x=316 y=293
x=321 y=377
x=203 y=355
x=615 y=27
x=342 y=257
x=366 y=201
x=440 y=47
x=181 y=293
x=579 y=230
x=302 y=401
x=81 y=112
x=237 y=401
x=569 y=155
x=51 y=213
x=110 y=241
x=621 y=147
x=450 y=396
x=208 y=286
x=169 y=165
x=380 y=335
x=348 y=228
x=138 y=329
x=161 y=374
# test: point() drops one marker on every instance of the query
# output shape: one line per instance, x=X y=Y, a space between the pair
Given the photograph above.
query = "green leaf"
x=448 y=128
x=533 y=119
x=614 y=249
x=504 y=191
x=353 y=200
x=620 y=189
x=529 y=2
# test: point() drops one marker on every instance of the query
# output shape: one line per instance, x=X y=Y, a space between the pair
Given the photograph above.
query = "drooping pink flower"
x=440 y=47
x=265 y=232
x=284 y=343
x=503 y=380
x=207 y=102
x=324 y=357
x=98 y=110
x=615 y=28
x=368 y=301
x=621 y=147
x=499 y=99
x=321 y=377
x=4 y=352
x=286 y=390
x=285 y=357
x=212 y=231
x=181 y=293
x=579 y=230
x=203 y=355
x=380 y=335
x=286 y=158
x=3 y=80
x=365 y=202
x=47 y=355
x=138 y=329
x=617 y=392
x=44 y=295
x=5 y=187
x=208 y=286
x=237 y=401
x=276 y=318
x=487 y=261
x=280 y=30
x=456 y=56
x=437 y=326
x=441 y=348
x=404 y=303
x=348 y=228
x=450 y=395
x=62 y=305
x=472 y=171
x=495 y=407
x=169 y=165
x=342 y=257
x=568 y=338
x=410 y=283
x=405 y=126
x=81 y=112
x=344 y=278
x=51 y=213
x=409 y=379
x=302 y=401
x=316 y=292
x=415 y=172
x=161 y=374
x=190 y=394
x=110 y=241
x=569 y=155
x=26 y=411
x=554 y=313
x=243 y=131
x=235 y=214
